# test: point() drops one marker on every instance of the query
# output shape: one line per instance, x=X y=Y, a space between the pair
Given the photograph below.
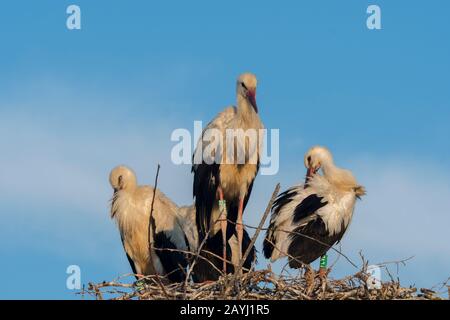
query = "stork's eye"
x=243 y=85
x=309 y=159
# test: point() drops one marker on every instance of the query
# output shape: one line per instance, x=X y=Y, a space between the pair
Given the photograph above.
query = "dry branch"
x=263 y=285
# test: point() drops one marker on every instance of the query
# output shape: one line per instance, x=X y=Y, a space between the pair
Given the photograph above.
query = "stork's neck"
x=329 y=169
x=130 y=187
x=341 y=178
x=244 y=109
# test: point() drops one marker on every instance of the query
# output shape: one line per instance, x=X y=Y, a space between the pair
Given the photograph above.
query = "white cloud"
x=407 y=209
x=54 y=176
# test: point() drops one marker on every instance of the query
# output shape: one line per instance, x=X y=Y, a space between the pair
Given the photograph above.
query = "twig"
x=150 y=220
x=150 y=232
x=263 y=284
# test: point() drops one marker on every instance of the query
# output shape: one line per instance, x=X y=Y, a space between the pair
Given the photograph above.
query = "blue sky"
x=73 y=104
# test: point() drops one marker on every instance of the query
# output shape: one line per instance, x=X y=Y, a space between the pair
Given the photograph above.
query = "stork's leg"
x=240 y=227
x=223 y=226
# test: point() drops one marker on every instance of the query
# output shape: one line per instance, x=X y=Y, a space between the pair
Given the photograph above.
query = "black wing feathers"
x=174 y=262
x=206 y=181
x=282 y=199
x=308 y=206
x=310 y=242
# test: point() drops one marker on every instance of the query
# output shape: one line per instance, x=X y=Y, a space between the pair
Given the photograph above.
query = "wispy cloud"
x=407 y=207
x=55 y=165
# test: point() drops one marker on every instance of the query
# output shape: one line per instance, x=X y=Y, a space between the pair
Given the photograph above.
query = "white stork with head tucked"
x=130 y=207
x=307 y=220
x=228 y=181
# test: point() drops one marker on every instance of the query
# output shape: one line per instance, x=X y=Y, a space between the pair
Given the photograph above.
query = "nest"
x=260 y=285
x=263 y=284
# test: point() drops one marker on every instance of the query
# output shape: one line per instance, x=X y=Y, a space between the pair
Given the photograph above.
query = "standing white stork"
x=130 y=207
x=227 y=181
x=307 y=220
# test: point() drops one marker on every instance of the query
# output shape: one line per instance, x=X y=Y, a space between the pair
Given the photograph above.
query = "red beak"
x=309 y=173
x=251 y=96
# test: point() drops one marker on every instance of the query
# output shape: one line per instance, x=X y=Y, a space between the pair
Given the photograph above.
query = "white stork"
x=130 y=207
x=227 y=181
x=307 y=220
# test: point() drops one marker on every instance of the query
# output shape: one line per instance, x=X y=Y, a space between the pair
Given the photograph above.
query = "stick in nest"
x=150 y=232
x=262 y=284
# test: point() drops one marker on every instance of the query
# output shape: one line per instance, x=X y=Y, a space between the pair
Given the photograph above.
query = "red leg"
x=223 y=226
x=240 y=227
